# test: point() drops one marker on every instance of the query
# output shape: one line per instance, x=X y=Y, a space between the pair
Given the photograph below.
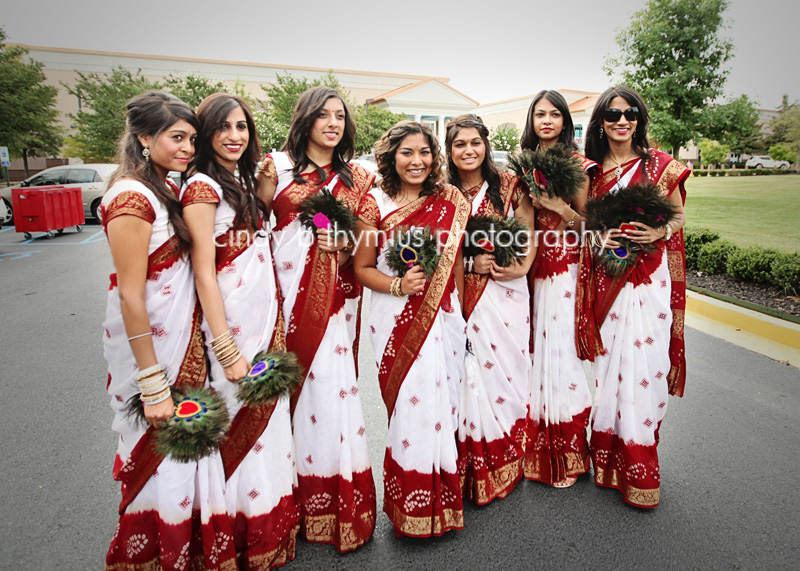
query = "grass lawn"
x=748 y=211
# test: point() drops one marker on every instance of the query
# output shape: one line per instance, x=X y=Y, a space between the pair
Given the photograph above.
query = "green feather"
x=193 y=438
x=282 y=375
x=509 y=237
x=562 y=170
x=416 y=242
x=341 y=217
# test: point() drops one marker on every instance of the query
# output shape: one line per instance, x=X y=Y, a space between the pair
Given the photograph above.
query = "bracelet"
x=571 y=222
x=469 y=265
x=138 y=336
x=396 y=287
x=155 y=399
x=225 y=349
x=153 y=384
x=668 y=232
x=350 y=246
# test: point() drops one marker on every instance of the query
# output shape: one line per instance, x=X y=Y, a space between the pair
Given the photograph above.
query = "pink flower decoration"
x=321 y=221
x=640 y=210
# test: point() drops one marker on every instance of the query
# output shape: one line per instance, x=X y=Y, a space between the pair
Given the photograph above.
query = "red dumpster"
x=47 y=209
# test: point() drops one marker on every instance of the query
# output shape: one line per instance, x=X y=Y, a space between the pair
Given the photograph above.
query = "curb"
x=773 y=337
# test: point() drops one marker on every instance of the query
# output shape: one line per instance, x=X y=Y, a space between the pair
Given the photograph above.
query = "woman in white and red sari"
x=417 y=331
x=322 y=307
x=494 y=394
x=172 y=514
x=557 y=450
x=632 y=325
x=237 y=288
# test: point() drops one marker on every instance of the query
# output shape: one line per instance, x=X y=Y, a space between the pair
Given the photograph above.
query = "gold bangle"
x=571 y=222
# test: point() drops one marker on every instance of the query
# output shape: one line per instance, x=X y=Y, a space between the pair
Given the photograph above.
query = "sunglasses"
x=612 y=115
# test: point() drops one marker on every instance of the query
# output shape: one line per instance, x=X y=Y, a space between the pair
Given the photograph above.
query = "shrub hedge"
x=740 y=172
x=705 y=251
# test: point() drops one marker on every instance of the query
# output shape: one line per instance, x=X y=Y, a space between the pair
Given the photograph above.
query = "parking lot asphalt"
x=729 y=495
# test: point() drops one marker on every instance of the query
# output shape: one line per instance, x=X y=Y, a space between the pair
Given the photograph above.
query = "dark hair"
x=305 y=114
x=530 y=140
x=386 y=148
x=150 y=114
x=238 y=191
x=597 y=146
x=488 y=168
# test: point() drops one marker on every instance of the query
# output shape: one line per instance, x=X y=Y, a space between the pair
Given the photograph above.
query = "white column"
x=441 y=130
x=418 y=118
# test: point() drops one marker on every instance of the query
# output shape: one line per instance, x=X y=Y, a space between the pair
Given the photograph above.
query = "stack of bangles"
x=153 y=385
x=225 y=349
x=396 y=288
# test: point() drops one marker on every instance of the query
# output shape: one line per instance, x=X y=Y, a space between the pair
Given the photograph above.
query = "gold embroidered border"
x=132 y=203
x=538 y=465
x=322 y=529
x=423 y=526
x=498 y=483
x=268 y=169
x=275 y=558
x=639 y=497
x=200 y=192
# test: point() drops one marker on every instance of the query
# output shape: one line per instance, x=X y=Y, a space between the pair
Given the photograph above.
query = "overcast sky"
x=491 y=50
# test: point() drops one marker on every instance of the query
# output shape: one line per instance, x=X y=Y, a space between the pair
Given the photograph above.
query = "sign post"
x=5 y=162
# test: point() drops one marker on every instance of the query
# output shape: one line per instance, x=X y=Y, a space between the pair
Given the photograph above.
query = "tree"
x=781 y=152
x=101 y=118
x=193 y=88
x=734 y=124
x=672 y=54
x=29 y=124
x=786 y=127
x=713 y=152
x=371 y=123
x=504 y=138
x=271 y=133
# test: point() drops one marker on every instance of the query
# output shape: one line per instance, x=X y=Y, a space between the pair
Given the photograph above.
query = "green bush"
x=751 y=264
x=697 y=172
x=694 y=239
x=786 y=272
x=713 y=257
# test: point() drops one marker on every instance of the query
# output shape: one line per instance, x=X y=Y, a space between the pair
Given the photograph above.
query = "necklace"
x=471 y=191
x=618 y=170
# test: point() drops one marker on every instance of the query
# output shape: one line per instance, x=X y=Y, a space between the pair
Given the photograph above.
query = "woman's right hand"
x=607 y=238
x=413 y=282
x=482 y=263
x=237 y=371
x=157 y=414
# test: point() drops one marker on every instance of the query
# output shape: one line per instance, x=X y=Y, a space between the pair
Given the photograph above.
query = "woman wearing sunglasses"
x=559 y=398
x=631 y=326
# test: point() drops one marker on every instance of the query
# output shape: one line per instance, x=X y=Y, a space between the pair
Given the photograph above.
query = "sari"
x=322 y=305
x=559 y=401
x=257 y=453
x=172 y=514
x=420 y=341
x=493 y=396
x=632 y=328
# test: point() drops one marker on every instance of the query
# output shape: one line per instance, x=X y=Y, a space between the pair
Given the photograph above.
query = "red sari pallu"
x=420 y=342
x=172 y=514
x=632 y=327
x=322 y=310
x=559 y=400
x=493 y=396
x=257 y=452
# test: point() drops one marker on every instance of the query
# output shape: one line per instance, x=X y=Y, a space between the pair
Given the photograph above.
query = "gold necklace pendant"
x=618 y=171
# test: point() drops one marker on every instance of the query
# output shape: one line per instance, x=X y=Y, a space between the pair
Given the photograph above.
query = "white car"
x=765 y=162
x=92 y=179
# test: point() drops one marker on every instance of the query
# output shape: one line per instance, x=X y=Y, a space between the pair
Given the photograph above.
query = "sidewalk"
x=770 y=336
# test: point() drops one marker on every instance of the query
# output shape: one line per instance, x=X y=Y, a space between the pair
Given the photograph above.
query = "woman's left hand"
x=501 y=274
x=328 y=243
x=645 y=234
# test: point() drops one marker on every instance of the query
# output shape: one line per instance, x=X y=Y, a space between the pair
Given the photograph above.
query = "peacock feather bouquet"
x=641 y=202
x=323 y=210
x=409 y=246
x=273 y=373
x=506 y=238
x=555 y=170
x=196 y=427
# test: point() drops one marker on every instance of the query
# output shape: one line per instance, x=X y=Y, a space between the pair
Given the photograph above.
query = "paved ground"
x=729 y=453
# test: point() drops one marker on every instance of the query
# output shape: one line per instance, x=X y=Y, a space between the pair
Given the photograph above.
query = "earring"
x=146 y=154
x=634 y=132
x=601 y=132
